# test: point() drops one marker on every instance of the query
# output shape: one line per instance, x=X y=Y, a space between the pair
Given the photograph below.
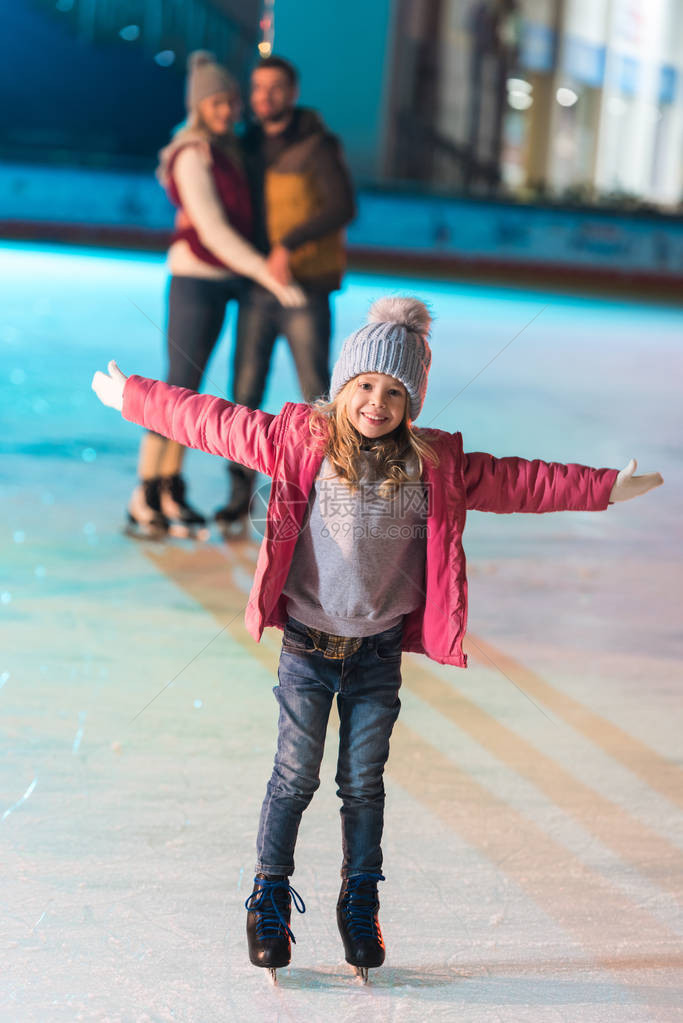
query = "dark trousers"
x=366 y=684
x=196 y=311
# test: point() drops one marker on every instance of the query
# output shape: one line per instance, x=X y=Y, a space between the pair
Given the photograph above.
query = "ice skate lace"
x=360 y=905
x=264 y=901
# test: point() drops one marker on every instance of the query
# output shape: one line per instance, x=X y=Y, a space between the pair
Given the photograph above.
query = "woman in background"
x=209 y=256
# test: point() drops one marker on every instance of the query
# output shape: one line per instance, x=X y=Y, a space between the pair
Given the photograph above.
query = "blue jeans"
x=366 y=683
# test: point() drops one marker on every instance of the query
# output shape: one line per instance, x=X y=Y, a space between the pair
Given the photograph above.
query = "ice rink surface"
x=533 y=830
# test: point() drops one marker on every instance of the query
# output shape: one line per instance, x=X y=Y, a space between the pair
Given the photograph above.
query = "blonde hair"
x=329 y=422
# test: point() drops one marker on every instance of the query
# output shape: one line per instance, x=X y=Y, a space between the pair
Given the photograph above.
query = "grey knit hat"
x=206 y=77
x=393 y=341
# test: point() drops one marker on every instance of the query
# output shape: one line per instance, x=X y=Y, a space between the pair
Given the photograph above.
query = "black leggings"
x=196 y=311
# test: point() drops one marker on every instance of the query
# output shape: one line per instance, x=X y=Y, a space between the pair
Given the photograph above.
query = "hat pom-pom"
x=403 y=310
x=199 y=57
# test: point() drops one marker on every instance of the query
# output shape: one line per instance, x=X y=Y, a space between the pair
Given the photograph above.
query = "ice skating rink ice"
x=533 y=834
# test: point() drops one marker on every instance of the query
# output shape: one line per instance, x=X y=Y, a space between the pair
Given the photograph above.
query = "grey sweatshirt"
x=359 y=562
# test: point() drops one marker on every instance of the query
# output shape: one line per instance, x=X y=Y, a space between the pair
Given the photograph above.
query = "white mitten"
x=627 y=485
x=109 y=387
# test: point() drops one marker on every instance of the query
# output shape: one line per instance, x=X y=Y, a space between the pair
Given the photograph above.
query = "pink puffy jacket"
x=282 y=447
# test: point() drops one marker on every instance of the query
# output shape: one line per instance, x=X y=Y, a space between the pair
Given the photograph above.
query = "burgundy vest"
x=233 y=192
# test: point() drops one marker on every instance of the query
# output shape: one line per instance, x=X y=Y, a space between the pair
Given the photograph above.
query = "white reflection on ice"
x=29 y=790
x=38 y=921
x=79 y=733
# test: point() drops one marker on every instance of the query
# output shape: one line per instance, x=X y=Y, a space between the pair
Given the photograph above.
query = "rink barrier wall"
x=406 y=233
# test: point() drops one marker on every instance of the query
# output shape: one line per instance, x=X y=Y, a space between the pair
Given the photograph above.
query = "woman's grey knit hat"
x=206 y=77
x=393 y=341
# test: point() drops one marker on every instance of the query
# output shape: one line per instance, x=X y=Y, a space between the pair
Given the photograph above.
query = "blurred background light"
x=566 y=97
x=519 y=100
x=165 y=58
x=130 y=33
x=519 y=93
x=519 y=85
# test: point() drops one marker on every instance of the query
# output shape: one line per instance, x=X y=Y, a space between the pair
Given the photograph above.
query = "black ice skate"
x=357 y=908
x=185 y=521
x=269 y=912
x=145 y=519
x=231 y=518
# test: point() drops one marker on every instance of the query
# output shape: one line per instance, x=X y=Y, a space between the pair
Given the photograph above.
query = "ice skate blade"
x=137 y=532
x=181 y=532
x=272 y=975
x=362 y=973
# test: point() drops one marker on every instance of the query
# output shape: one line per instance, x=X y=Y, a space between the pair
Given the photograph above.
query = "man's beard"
x=279 y=117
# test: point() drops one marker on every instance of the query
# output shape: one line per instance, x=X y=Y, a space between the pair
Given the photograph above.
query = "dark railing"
x=423 y=154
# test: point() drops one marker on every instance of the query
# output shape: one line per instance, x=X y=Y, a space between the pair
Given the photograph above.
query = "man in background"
x=302 y=198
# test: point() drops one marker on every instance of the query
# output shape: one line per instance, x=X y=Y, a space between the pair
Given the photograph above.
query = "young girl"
x=362 y=558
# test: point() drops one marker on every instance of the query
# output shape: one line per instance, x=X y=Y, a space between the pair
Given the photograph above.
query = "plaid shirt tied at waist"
x=333 y=646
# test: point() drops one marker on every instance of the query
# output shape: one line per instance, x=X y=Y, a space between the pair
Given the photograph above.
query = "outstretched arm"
x=195 y=420
x=506 y=485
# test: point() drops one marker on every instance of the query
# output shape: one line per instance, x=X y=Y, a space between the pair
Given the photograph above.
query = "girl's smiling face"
x=377 y=404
